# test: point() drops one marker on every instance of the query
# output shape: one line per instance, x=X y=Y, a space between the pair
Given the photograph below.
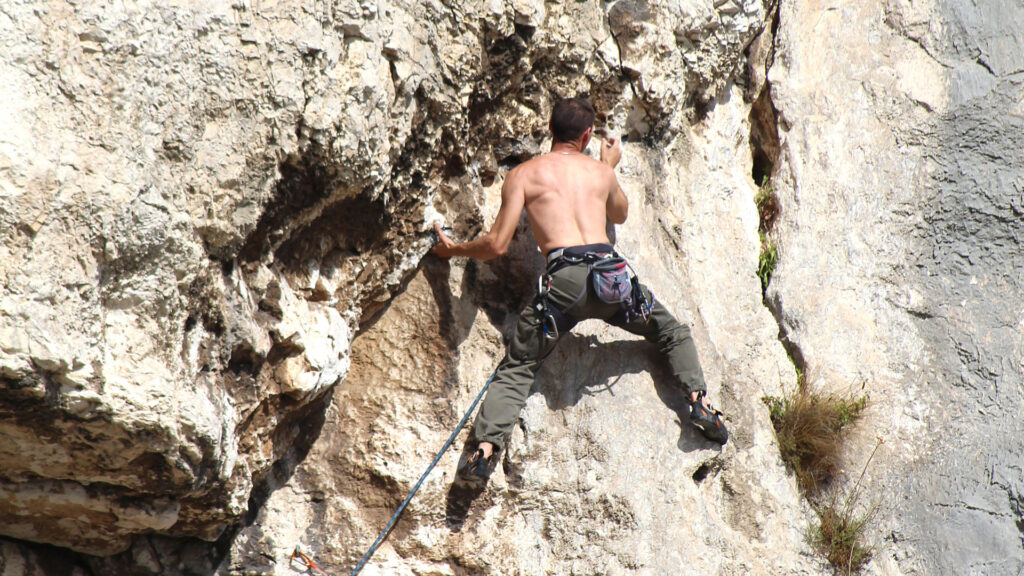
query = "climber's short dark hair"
x=569 y=118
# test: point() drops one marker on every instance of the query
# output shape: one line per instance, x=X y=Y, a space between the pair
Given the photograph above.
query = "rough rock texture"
x=902 y=199
x=202 y=206
x=160 y=337
x=602 y=477
x=218 y=337
x=24 y=559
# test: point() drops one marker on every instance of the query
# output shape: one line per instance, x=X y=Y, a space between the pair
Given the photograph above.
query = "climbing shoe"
x=708 y=420
x=474 y=469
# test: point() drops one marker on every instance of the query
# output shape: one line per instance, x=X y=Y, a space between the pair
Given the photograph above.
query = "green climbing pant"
x=529 y=347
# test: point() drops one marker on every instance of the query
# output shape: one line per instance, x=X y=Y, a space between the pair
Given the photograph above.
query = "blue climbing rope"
x=394 y=519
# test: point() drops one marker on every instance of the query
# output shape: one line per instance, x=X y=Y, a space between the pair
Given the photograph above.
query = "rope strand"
x=394 y=519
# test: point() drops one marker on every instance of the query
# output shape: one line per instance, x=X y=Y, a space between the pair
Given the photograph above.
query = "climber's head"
x=572 y=119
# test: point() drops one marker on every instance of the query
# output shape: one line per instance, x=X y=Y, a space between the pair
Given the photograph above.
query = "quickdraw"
x=642 y=306
x=306 y=561
x=550 y=323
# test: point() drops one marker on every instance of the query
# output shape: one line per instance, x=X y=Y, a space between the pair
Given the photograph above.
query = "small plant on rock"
x=766 y=261
x=768 y=211
x=767 y=205
x=841 y=529
x=809 y=426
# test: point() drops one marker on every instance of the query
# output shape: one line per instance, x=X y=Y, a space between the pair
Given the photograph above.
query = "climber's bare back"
x=566 y=196
x=569 y=198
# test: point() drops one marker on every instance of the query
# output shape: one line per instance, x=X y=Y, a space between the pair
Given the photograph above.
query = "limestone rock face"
x=220 y=338
x=603 y=476
x=902 y=219
x=203 y=206
x=194 y=226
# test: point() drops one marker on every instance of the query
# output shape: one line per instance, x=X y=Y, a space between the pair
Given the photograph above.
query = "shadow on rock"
x=175 y=556
x=458 y=503
x=583 y=366
x=462 y=494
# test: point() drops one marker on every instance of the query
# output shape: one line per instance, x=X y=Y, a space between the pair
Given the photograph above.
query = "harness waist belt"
x=580 y=251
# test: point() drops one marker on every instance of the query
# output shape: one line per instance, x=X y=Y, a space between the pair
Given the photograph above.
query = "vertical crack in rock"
x=627 y=74
x=764 y=136
x=1017 y=509
x=764 y=130
x=765 y=146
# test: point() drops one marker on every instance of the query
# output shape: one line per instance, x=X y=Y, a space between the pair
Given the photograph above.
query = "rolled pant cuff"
x=498 y=442
x=692 y=381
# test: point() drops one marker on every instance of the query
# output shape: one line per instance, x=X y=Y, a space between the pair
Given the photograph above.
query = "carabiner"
x=552 y=333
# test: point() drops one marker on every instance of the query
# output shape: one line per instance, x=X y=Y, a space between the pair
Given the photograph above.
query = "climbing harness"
x=394 y=519
x=614 y=282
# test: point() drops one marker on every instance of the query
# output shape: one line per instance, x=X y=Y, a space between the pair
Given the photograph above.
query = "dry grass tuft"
x=809 y=425
x=767 y=206
x=840 y=537
x=842 y=529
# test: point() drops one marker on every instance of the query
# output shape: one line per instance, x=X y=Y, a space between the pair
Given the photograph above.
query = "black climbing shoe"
x=708 y=420
x=474 y=469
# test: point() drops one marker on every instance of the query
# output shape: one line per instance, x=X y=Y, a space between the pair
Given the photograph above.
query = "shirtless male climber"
x=568 y=197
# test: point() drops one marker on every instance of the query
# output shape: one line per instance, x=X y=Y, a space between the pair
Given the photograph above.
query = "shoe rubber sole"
x=710 y=423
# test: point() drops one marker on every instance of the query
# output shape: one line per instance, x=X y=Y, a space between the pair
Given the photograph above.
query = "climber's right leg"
x=675 y=342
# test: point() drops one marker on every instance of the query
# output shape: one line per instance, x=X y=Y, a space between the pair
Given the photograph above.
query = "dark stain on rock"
x=304 y=183
x=353 y=225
